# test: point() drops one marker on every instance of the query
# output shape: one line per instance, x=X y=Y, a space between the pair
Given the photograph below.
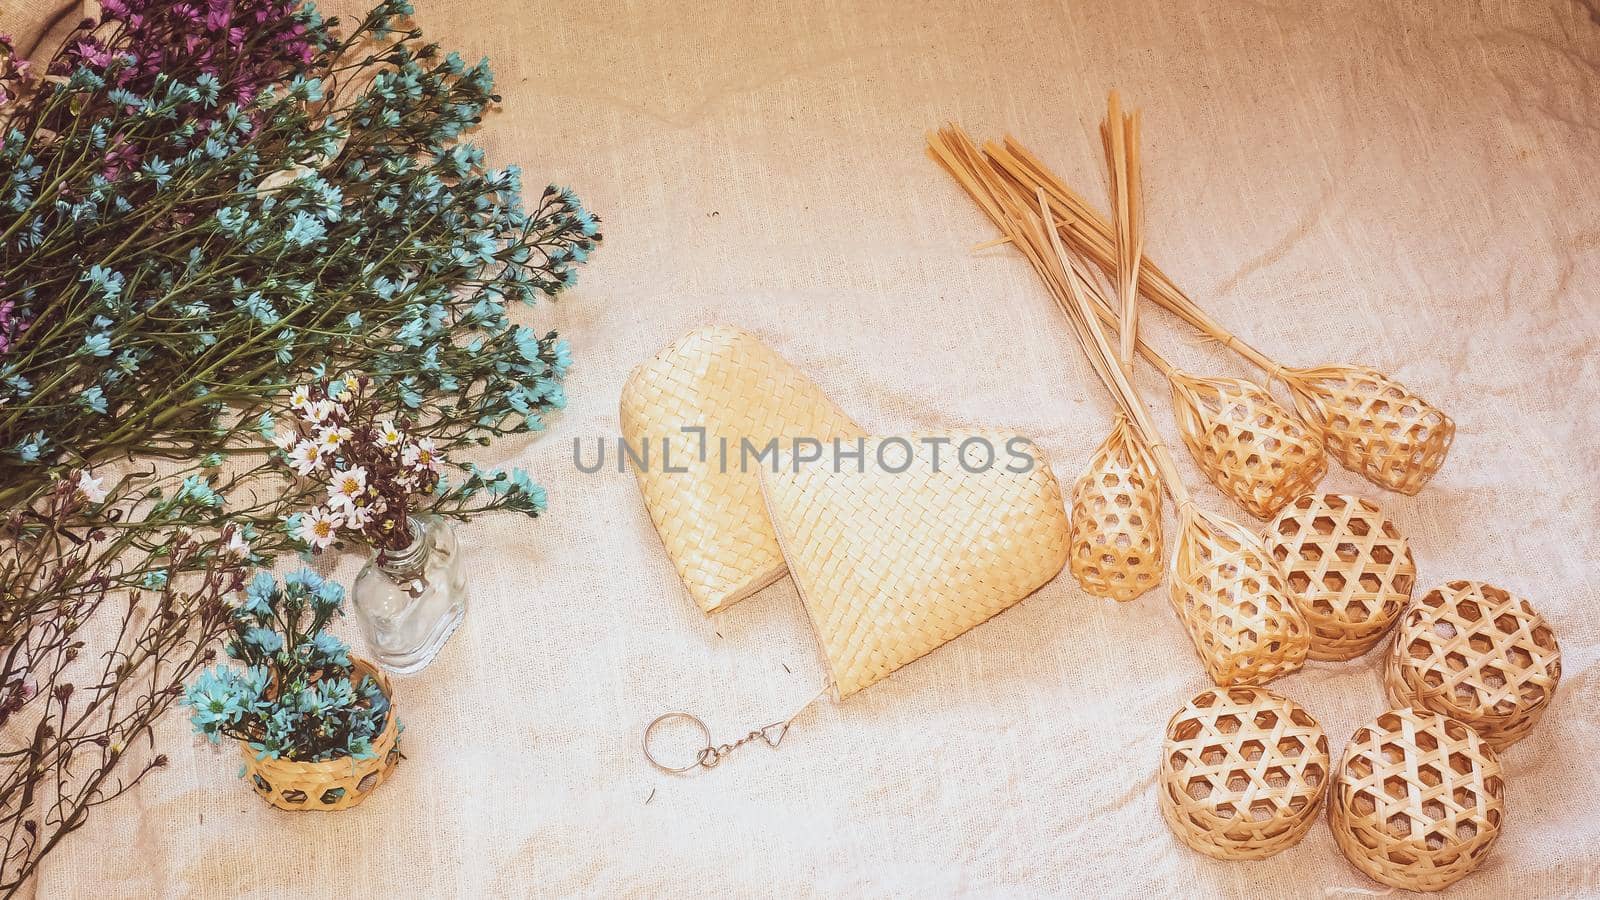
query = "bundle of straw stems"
x=1226 y=589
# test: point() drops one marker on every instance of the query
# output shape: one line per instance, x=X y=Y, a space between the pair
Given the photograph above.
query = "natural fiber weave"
x=1417 y=800
x=891 y=565
x=710 y=517
x=1250 y=447
x=1479 y=654
x=1116 y=519
x=1372 y=424
x=1231 y=597
x=333 y=784
x=1243 y=773
x=1348 y=568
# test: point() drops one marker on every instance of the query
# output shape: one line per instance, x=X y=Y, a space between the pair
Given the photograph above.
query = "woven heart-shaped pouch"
x=700 y=417
x=921 y=541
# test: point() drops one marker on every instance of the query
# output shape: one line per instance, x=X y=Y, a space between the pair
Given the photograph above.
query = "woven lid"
x=701 y=486
x=894 y=560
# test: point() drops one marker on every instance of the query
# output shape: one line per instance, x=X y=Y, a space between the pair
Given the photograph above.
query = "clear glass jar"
x=410 y=601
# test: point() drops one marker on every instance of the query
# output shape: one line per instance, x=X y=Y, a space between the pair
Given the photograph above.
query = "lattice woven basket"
x=1418 y=800
x=333 y=784
x=1116 y=519
x=1251 y=448
x=1231 y=597
x=710 y=517
x=1479 y=654
x=1372 y=424
x=891 y=565
x=1243 y=773
x=1348 y=568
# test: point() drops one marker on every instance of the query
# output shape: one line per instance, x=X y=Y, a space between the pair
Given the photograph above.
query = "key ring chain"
x=711 y=754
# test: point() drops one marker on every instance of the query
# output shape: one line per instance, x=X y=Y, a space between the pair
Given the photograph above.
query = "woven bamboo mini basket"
x=1251 y=448
x=1479 y=654
x=1116 y=519
x=1418 y=800
x=1348 y=568
x=332 y=784
x=1243 y=773
x=893 y=562
x=703 y=494
x=1372 y=424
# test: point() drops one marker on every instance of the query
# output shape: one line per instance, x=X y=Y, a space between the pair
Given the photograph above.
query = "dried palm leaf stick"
x=1248 y=445
x=1120 y=135
x=1373 y=425
x=1226 y=589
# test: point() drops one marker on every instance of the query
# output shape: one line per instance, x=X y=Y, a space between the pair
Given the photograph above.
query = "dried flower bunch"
x=203 y=205
x=297 y=696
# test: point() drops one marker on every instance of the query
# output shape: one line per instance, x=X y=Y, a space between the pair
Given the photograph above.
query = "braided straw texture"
x=332 y=784
x=710 y=517
x=1348 y=568
x=1250 y=447
x=1372 y=425
x=891 y=565
x=1417 y=800
x=1116 y=519
x=1231 y=597
x=1479 y=654
x=1243 y=773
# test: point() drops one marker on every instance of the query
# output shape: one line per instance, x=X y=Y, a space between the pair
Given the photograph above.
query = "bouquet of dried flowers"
x=298 y=696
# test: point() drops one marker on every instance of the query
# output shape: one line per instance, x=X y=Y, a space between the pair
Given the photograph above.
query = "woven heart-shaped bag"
x=690 y=414
x=917 y=543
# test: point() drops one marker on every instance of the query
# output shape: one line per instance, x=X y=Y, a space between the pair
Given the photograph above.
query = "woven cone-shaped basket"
x=1417 y=800
x=1116 y=519
x=1476 y=653
x=1231 y=597
x=1250 y=447
x=1348 y=568
x=1372 y=425
x=703 y=492
x=892 y=564
x=332 y=784
x=1243 y=772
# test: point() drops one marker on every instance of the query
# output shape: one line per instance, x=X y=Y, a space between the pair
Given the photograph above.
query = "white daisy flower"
x=323 y=410
x=345 y=486
x=423 y=456
x=237 y=547
x=92 y=489
x=318 y=528
x=388 y=435
x=306 y=456
x=356 y=517
x=332 y=437
x=300 y=399
x=285 y=440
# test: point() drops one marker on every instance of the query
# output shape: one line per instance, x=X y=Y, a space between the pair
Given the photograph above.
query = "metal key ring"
x=649 y=729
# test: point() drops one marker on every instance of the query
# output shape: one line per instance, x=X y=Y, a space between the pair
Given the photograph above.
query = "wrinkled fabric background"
x=1408 y=184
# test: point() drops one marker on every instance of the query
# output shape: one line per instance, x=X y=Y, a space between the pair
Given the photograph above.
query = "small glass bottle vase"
x=410 y=601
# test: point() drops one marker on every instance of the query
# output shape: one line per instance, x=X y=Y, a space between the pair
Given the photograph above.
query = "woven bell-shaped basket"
x=1476 y=653
x=332 y=784
x=1230 y=595
x=1243 y=773
x=701 y=485
x=1418 y=800
x=1372 y=425
x=914 y=547
x=1116 y=519
x=1250 y=447
x=1348 y=568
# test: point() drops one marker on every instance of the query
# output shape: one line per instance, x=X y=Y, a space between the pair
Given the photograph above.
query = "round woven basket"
x=1418 y=799
x=1348 y=569
x=1479 y=654
x=1243 y=772
x=332 y=784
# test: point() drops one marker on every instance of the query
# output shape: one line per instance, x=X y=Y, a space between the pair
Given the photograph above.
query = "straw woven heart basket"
x=332 y=784
x=916 y=546
x=690 y=411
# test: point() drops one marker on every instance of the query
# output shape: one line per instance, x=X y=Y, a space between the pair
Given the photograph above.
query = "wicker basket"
x=332 y=784
x=1372 y=425
x=1349 y=570
x=892 y=562
x=1417 y=800
x=1243 y=773
x=707 y=506
x=1251 y=448
x=1479 y=654
x=1116 y=519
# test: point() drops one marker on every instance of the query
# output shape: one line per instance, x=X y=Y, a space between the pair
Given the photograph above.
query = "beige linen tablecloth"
x=1411 y=185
